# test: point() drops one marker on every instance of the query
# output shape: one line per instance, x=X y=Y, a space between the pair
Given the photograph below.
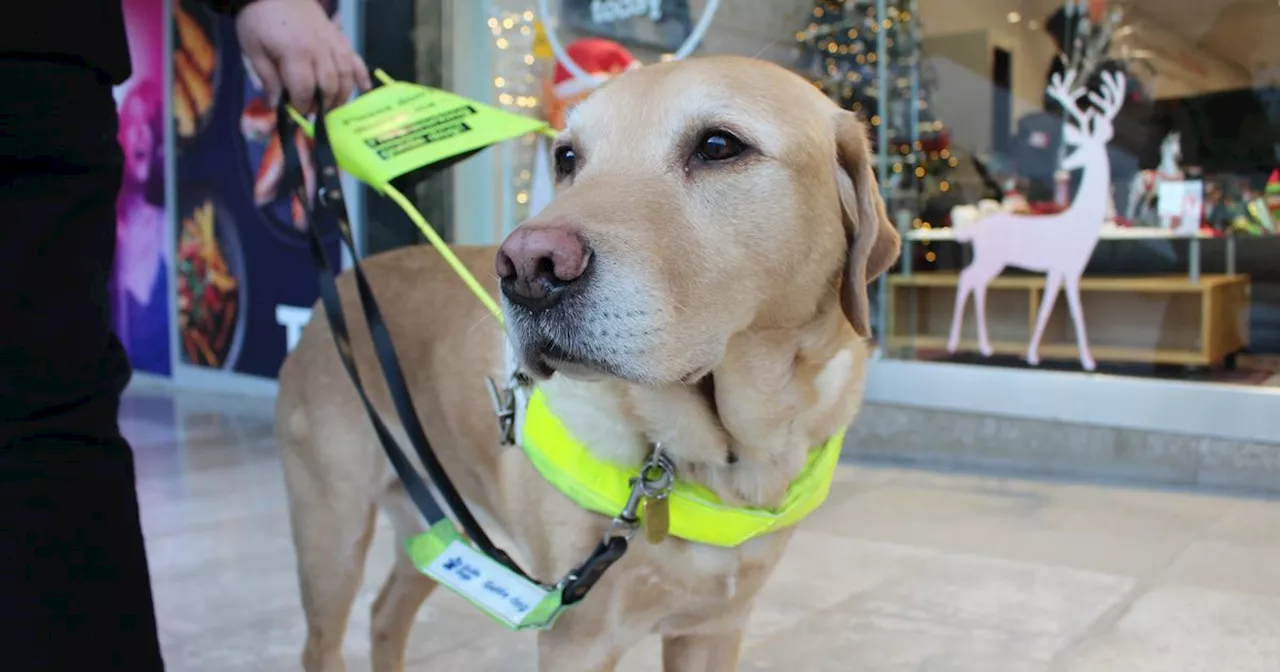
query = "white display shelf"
x=1113 y=233
x=1108 y=233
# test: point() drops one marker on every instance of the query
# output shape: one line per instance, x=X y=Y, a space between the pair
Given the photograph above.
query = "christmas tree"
x=841 y=51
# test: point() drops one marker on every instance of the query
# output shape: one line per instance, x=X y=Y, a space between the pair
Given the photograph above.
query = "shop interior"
x=1165 y=292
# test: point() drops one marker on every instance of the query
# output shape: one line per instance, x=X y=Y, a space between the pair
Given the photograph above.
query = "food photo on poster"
x=243 y=273
x=195 y=69
x=141 y=315
x=264 y=152
x=210 y=293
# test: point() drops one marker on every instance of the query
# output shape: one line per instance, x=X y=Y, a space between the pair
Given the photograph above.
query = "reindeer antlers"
x=1108 y=102
x=1111 y=99
x=1060 y=89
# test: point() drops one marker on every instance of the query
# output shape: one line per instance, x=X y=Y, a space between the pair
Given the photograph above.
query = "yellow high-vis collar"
x=697 y=514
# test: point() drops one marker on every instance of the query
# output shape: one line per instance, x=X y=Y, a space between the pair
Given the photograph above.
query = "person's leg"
x=74 y=586
x=74 y=591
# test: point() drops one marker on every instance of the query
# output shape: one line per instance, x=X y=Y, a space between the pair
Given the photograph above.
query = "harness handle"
x=328 y=197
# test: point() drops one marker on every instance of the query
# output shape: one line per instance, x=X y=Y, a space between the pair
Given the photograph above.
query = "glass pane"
x=1146 y=203
x=407 y=40
x=1130 y=209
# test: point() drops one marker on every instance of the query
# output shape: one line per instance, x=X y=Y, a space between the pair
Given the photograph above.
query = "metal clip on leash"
x=328 y=197
x=656 y=479
x=504 y=402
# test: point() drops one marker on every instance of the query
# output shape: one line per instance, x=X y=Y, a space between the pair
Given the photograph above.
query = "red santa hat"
x=599 y=57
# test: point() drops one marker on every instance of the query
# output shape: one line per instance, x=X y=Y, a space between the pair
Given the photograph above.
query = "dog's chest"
x=709 y=574
x=690 y=588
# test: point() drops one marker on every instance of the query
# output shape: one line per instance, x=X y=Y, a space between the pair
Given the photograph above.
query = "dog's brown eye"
x=566 y=161
x=719 y=146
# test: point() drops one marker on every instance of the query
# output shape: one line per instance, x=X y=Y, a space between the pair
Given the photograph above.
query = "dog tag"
x=657 y=519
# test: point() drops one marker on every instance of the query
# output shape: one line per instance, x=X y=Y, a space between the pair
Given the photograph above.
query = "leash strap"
x=520 y=601
x=329 y=197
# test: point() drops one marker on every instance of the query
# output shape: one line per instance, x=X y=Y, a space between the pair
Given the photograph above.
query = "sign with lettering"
x=401 y=127
x=609 y=11
x=504 y=594
x=1183 y=202
x=293 y=319
x=663 y=25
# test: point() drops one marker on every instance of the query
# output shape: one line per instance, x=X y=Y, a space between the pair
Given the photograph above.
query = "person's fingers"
x=299 y=74
x=328 y=79
x=362 y=73
x=265 y=68
x=346 y=75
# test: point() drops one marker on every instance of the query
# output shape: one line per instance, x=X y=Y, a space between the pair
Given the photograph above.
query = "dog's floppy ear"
x=873 y=241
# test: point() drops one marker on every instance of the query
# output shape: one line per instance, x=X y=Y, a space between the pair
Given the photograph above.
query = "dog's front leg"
x=702 y=653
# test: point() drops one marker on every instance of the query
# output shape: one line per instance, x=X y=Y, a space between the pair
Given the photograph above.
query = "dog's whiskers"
x=486 y=316
x=766 y=47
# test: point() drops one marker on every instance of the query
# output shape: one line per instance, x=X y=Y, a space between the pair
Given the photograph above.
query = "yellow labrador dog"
x=700 y=280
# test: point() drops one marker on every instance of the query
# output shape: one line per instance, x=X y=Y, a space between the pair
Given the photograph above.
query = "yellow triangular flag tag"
x=401 y=127
x=541 y=45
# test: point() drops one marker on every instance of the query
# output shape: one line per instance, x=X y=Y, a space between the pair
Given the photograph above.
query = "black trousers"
x=74 y=587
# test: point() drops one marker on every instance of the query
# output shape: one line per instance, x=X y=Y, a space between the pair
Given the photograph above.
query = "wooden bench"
x=1136 y=319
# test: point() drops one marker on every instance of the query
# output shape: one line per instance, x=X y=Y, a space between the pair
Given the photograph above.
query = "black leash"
x=328 y=196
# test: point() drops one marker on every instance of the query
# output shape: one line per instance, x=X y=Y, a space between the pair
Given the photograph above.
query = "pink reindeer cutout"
x=1058 y=245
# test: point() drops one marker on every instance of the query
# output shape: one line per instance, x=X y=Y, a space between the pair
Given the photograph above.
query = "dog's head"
x=695 y=200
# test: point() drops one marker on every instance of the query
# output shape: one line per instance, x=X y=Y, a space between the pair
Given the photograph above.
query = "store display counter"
x=1110 y=232
x=1140 y=319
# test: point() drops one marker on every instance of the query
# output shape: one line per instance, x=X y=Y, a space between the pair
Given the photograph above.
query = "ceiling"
x=1223 y=43
x=1235 y=31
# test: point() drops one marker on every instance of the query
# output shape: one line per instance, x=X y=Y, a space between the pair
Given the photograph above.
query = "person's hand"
x=292 y=45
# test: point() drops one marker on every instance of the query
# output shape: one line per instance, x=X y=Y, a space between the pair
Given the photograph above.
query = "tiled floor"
x=901 y=570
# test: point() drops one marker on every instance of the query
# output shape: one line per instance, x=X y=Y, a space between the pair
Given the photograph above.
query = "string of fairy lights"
x=519 y=89
x=849 y=36
x=842 y=39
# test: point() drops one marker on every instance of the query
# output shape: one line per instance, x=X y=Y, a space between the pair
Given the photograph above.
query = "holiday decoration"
x=965 y=216
x=600 y=58
x=1058 y=245
x=1233 y=207
x=1012 y=200
x=857 y=58
x=518 y=88
x=1147 y=183
x=1180 y=206
x=1272 y=193
x=1089 y=34
x=1097 y=10
x=1260 y=217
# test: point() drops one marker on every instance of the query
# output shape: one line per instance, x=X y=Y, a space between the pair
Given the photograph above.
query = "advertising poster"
x=244 y=278
x=140 y=284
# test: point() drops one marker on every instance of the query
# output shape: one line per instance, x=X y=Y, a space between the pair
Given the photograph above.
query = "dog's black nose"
x=537 y=262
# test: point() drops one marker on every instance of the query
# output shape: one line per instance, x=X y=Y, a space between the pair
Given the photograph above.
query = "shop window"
x=1179 y=103
x=407 y=40
x=1143 y=188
